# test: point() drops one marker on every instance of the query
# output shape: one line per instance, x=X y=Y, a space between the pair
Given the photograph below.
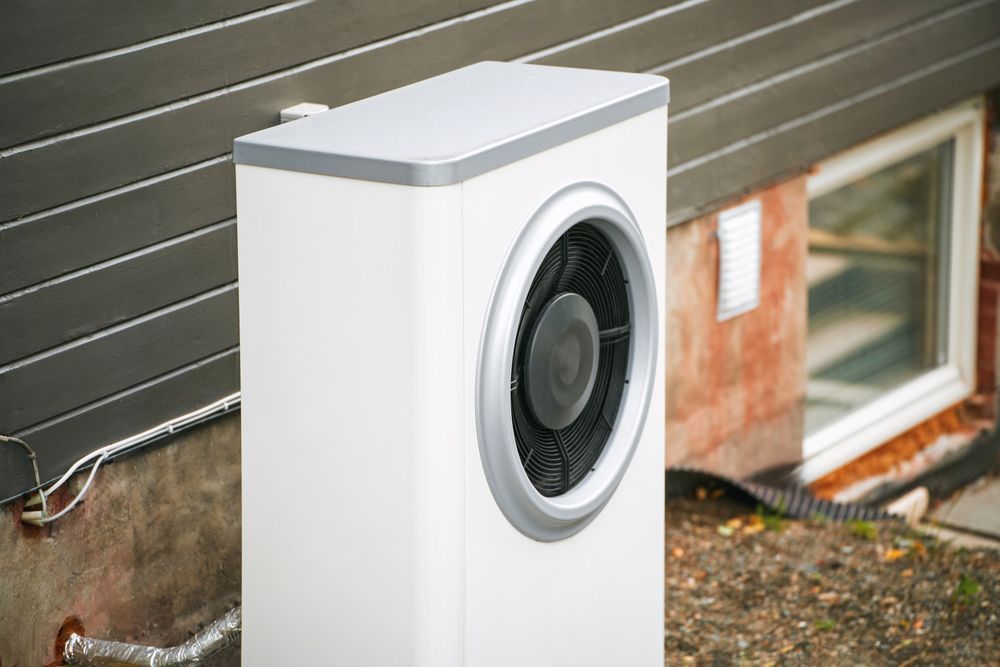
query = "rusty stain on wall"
x=735 y=389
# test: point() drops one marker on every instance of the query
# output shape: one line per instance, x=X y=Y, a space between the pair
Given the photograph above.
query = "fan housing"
x=567 y=362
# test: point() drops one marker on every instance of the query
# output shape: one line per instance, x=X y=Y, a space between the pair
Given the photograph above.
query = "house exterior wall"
x=118 y=269
x=736 y=389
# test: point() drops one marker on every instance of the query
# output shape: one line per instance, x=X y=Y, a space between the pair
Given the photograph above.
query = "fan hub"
x=561 y=362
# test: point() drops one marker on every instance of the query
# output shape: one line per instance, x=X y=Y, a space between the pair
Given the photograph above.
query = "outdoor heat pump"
x=451 y=303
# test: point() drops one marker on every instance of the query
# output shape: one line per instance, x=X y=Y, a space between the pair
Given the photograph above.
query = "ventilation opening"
x=582 y=263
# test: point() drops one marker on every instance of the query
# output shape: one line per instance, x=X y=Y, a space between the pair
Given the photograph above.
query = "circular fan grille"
x=582 y=261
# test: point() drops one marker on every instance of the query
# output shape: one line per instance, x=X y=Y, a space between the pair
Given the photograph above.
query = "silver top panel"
x=454 y=126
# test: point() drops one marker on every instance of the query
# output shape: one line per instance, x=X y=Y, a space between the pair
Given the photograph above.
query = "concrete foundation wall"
x=736 y=389
x=150 y=556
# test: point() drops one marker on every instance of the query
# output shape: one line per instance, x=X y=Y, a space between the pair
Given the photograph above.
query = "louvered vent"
x=739 y=260
x=582 y=262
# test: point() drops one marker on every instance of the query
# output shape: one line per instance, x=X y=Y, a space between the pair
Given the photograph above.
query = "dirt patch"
x=754 y=588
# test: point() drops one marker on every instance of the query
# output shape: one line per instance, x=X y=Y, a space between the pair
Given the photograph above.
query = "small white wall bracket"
x=301 y=110
x=739 y=260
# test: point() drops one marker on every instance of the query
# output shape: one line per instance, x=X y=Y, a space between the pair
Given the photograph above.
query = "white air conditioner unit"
x=451 y=301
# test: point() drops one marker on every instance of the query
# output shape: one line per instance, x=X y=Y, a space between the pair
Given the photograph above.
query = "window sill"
x=874 y=424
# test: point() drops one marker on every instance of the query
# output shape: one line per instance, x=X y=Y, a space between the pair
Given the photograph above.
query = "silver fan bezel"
x=553 y=518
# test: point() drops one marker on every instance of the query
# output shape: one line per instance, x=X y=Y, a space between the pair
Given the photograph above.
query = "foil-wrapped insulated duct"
x=104 y=653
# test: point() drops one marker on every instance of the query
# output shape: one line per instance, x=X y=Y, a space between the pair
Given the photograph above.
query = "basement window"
x=891 y=273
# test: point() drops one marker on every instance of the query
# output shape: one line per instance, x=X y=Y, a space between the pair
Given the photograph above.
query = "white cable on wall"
x=102 y=454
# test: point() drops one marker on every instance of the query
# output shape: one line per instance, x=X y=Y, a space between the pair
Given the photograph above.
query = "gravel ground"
x=744 y=587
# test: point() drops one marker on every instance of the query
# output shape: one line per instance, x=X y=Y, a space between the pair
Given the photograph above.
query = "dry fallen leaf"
x=894 y=554
x=735 y=523
x=753 y=529
x=908 y=572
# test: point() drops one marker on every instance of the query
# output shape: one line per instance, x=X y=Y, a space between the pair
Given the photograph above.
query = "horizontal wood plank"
x=674 y=34
x=62 y=440
x=35 y=177
x=121 y=289
x=55 y=242
x=89 y=369
x=749 y=166
x=93 y=90
x=38 y=32
x=803 y=38
x=852 y=72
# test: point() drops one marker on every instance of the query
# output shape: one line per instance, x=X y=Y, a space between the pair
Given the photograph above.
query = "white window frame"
x=902 y=408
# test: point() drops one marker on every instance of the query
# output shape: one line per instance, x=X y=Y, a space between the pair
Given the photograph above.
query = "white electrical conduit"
x=42 y=517
x=222 y=632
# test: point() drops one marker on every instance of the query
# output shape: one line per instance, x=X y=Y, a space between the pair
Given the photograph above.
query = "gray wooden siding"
x=117 y=254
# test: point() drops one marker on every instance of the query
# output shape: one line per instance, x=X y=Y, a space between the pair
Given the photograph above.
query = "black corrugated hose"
x=779 y=490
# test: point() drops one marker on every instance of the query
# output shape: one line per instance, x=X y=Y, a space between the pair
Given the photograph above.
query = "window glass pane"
x=877 y=279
